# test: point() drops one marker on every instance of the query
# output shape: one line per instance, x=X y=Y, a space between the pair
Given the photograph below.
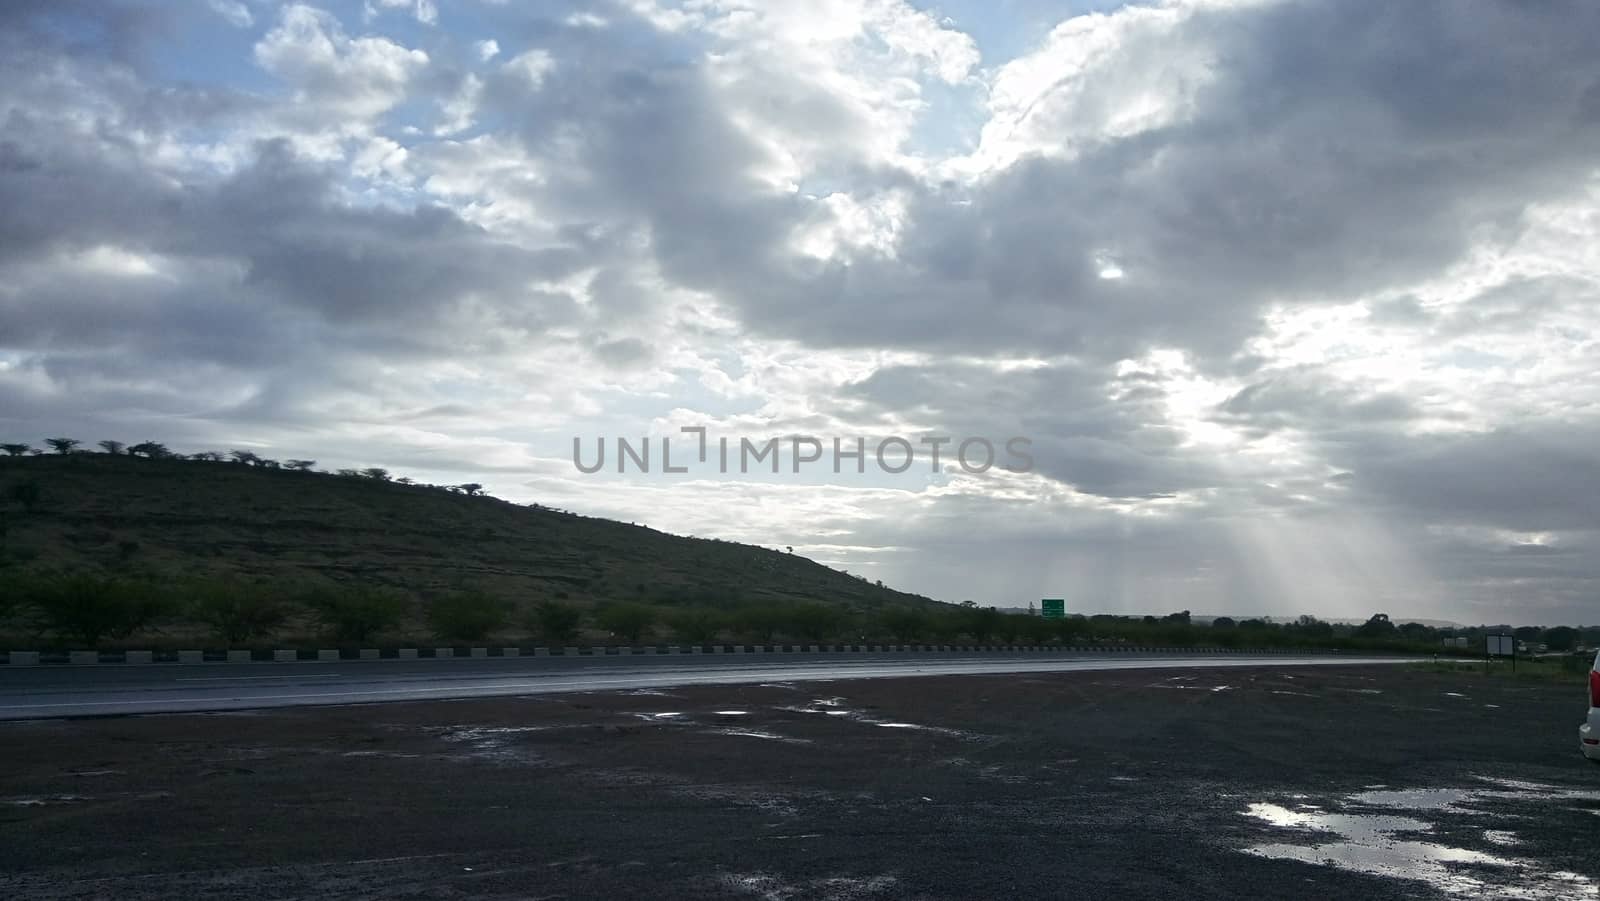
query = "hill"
x=191 y=519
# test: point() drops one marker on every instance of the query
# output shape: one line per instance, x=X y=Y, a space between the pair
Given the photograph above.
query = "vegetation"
x=628 y=622
x=237 y=613
x=358 y=614
x=467 y=615
x=93 y=546
x=555 y=621
x=85 y=608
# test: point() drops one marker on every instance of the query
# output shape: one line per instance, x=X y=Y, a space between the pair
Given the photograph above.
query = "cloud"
x=1296 y=302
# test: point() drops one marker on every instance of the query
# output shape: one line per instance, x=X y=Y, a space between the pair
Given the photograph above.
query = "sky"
x=1293 y=303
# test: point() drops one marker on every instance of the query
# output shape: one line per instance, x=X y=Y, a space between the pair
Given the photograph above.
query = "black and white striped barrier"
x=346 y=655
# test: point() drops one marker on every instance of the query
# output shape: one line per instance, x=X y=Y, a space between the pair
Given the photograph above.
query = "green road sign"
x=1053 y=608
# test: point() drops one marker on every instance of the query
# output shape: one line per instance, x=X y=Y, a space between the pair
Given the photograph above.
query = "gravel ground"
x=1311 y=783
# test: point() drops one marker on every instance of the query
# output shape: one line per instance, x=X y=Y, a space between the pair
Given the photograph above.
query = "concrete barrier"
x=541 y=652
x=139 y=657
x=23 y=658
x=191 y=656
x=407 y=653
x=239 y=657
x=285 y=656
x=327 y=655
x=371 y=654
x=480 y=652
x=510 y=652
x=83 y=658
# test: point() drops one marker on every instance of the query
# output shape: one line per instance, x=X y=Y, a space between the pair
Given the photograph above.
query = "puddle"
x=762 y=734
x=45 y=801
x=1382 y=832
x=493 y=743
x=834 y=707
x=732 y=712
x=834 y=888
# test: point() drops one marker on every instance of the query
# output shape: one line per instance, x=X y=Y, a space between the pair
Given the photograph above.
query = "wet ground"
x=1263 y=782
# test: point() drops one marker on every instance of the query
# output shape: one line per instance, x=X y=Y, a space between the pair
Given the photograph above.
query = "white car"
x=1589 y=732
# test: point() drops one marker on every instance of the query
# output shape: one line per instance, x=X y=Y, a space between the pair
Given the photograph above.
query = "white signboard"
x=1502 y=646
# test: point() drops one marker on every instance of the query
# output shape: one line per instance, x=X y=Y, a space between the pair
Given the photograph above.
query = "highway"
x=50 y=692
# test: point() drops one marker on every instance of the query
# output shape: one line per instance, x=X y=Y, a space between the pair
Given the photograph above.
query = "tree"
x=356 y=614
x=237 y=613
x=814 y=622
x=112 y=447
x=86 y=608
x=695 y=625
x=906 y=624
x=471 y=488
x=265 y=463
x=627 y=621
x=248 y=458
x=62 y=445
x=1223 y=622
x=1378 y=626
x=1561 y=638
x=15 y=450
x=301 y=465
x=467 y=615
x=759 y=621
x=981 y=622
x=555 y=621
x=209 y=456
x=377 y=473
x=155 y=450
x=404 y=480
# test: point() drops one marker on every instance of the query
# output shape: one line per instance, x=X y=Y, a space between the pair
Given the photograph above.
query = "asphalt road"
x=51 y=692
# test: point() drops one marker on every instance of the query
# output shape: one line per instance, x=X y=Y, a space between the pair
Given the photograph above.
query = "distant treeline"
x=155 y=450
x=89 y=611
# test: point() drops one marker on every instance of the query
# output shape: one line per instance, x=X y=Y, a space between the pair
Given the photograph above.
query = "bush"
x=814 y=622
x=905 y=624
x=555 y=621
x=86 y=608
x=695 y=625
x=467 y=615
x=356 y=614
x=237 y=613
x=627 y=621
x=759 y=622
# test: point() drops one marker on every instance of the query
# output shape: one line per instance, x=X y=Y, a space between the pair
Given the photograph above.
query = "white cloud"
x=237 y=14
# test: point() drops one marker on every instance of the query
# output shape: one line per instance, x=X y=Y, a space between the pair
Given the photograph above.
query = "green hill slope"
x=184 y=519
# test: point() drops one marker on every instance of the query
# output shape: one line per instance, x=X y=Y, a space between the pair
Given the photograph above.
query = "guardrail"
x=357 y=655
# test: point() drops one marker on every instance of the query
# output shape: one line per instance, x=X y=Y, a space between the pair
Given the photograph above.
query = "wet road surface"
x=57 y=691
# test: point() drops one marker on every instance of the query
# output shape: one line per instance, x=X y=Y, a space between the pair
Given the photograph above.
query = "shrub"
x=467 y=615
x=695 y=625
x=759 y=621
x=86 y=609
x=627 y=621
x=237 y=612
x=555 y=621
x=356 y=614
x=814 y=622
x=905 y=624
